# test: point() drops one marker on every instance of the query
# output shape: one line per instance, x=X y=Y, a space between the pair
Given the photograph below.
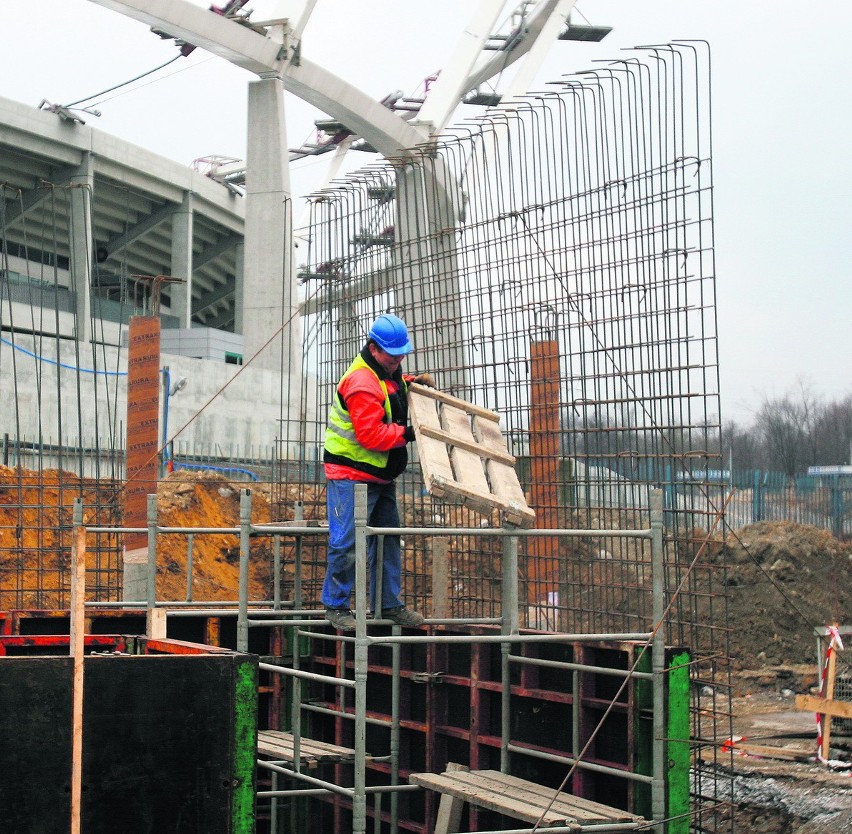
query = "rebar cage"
x=554 y=262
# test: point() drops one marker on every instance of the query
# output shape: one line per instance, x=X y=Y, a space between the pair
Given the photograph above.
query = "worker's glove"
x=408 y=434
x=425 y=379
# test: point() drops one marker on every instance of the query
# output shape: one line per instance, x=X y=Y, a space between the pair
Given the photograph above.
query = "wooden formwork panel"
x=464 y=457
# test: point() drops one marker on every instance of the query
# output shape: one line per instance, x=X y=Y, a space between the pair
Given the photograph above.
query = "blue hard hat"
x=391 y=335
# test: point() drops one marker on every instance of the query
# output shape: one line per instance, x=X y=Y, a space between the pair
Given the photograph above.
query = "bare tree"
x=785 y=427
x=744 y=446
x=833 y=433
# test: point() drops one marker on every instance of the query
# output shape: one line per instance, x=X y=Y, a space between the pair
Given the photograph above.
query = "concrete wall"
x=220 y=403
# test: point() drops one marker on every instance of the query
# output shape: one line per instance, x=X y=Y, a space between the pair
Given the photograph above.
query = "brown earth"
x=784 y=580
x=36 y=518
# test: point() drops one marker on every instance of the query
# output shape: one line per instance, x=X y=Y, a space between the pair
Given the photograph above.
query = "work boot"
x=404 y=617
x=340 y=618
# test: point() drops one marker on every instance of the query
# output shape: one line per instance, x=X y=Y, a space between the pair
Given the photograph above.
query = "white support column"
x=239 y=288
x=428 y=203
x=271 y=324
x=267 y=275
x=82 y=190
x=181 y=294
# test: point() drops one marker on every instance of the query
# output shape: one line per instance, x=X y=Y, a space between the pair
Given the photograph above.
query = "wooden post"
x=77 y=646
x=440 y=577
x=155 y=623
x=450 y=807
x=830 y=677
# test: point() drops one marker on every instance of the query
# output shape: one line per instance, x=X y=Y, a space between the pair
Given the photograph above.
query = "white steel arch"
x=272 y=51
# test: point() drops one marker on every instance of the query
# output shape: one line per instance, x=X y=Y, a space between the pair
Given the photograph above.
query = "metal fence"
x=91 y=459
x=819 y=501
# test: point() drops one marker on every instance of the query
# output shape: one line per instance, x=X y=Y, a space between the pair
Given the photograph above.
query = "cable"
x=61 y=364
x=123 y=83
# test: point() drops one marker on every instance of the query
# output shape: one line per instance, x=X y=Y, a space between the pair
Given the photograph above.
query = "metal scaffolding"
x=650 y=663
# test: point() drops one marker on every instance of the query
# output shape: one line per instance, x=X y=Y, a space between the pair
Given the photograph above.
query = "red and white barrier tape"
x=835 y=643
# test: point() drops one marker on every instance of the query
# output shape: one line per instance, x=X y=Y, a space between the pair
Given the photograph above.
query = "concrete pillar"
x=81 y=237
x=544 y=437
x=239 y=288
x=270 y=318
x=181 y=294
x=427 y=264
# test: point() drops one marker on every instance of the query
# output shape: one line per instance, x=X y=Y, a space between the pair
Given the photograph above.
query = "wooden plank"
x=77 y=644
x=434 y=456
x=504 y=479
x=444 y=472
x=484 y=797
x=766 y=752
x=831 y=672
x=280 y=745
x=521 y=799
x=450 y=808
x=441 y=607
x=479 y=449
x=583 y=808
x=824 y=706
x=449 y=399
x=467 y=465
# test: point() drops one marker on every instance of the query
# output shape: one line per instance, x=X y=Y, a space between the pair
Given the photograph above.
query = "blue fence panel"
x=771 y=496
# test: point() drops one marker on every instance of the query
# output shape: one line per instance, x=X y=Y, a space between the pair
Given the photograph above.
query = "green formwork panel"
x=677 y=753
x=678 y=749
x=245 y=746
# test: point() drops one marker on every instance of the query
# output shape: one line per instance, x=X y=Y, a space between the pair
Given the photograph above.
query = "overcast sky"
x=782 y=122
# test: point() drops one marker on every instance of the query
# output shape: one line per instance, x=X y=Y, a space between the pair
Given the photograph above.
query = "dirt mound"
x=784 y=580
x=188 y=498
x=36 y=518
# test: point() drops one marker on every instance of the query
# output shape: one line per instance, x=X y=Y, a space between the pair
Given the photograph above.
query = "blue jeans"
x=382 y=511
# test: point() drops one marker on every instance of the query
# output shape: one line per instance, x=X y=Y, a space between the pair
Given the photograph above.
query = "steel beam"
x=259 y=54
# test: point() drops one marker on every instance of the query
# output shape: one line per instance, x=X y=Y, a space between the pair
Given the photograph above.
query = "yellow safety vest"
x=340 y=437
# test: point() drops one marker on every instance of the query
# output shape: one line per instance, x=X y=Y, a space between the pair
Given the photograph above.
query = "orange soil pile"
x=36 y=519
x=206 y=499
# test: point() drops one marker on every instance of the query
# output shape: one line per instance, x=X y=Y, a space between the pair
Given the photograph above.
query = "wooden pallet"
x=517 y=798
x=464 y=457
x=278 y=745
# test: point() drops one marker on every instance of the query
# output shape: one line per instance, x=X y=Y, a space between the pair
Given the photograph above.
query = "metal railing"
x=253 y=613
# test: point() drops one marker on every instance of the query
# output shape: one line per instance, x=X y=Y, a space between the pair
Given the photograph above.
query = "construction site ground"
x=784 y=580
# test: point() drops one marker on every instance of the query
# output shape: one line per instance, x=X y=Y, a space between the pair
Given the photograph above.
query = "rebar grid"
x=76 y=393
x=554 y=261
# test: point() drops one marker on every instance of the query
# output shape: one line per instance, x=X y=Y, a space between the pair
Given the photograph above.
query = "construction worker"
x=365 y=442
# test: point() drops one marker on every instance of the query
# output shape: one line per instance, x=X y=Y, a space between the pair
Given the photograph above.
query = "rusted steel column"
x=143 y=415
x=544 y=468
